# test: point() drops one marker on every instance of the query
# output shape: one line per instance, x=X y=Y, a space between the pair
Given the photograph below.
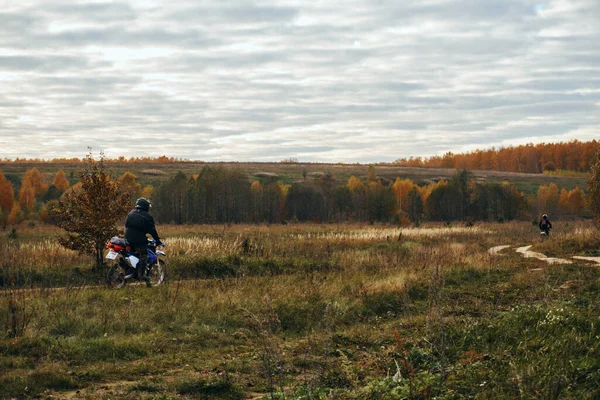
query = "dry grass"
x=388 y=234
x=321 y=316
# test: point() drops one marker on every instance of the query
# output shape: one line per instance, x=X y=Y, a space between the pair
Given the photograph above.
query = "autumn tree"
x=27 y=197
x=35 y=179
x=90 y=215
x=6 y=196
x=16 y=215
x=426 y=190
x=32 y=187
x=547 y=199
x=60 y=181
x=563 y=202
x=576 y=201
x=127 y=184
x=359 y=197
x=573 y=156
x=401 y=188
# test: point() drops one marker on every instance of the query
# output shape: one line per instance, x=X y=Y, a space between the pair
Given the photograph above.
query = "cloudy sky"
x=318 y=80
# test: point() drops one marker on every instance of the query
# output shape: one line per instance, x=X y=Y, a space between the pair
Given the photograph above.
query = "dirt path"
x=550 y=260
x=497 y=249
x=527 y=253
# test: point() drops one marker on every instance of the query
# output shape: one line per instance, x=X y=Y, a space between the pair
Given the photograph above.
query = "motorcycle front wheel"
x=115 y=279
x=158 y=272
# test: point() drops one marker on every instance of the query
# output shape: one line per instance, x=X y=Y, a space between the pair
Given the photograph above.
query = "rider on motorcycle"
x=545 y=224
x=139 y=223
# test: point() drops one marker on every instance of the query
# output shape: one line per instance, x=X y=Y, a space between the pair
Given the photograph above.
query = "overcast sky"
x=318 y=80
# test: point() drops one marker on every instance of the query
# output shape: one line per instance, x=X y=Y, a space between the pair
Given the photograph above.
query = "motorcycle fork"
x=126 y=269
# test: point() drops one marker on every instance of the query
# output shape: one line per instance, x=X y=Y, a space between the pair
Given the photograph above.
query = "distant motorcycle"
x=544 y=234
x=126 y=263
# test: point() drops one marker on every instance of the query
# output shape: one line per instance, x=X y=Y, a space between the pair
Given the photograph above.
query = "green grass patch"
x=211 y=389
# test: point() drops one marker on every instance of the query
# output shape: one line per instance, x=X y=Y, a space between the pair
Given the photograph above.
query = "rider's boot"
x=143 y=269
x=143 y=276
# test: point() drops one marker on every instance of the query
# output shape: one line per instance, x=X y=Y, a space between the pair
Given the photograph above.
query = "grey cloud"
x=41 y=63
x=121 y=36
x=240 y=12
x=15 y=22
x=98 y=12
x=248 y=80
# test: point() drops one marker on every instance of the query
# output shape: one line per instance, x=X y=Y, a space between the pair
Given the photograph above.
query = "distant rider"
x=545 y=224
x=139 y=223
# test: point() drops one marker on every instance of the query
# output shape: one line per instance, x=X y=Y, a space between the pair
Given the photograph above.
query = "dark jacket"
x=547 y=226
x=137 y=225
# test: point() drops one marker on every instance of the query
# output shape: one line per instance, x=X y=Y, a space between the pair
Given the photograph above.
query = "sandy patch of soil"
x=532 y=254
x=497 y=249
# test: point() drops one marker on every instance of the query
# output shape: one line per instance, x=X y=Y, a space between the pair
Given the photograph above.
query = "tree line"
x=544 y=157
x=76 y=160
x=219 y=194
x=227 y=195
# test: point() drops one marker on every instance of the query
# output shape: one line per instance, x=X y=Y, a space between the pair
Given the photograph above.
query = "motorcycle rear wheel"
x=115 y=279
x=158 y=273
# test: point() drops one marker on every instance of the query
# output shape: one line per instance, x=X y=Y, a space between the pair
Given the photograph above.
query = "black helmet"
x=544 y=216
x=143 y=204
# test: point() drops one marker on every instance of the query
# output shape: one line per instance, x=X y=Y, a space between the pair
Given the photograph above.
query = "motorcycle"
x=544 y=234
x=125 y=266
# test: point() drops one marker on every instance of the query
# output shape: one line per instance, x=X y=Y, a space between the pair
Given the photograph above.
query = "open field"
x=308 y=312
x=157 y=173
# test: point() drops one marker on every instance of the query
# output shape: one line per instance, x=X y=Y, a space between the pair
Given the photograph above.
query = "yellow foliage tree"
x=255 y=187
x=60 y=181
x=354 y=184
x=576 y=201
x=547 y=199
x=563 y=202
x=147 y=191
x=32 y=187
x=127 y=183
x=401 y=188
x=359 y=197
x=27 y=197
x=426 y=190
x=34 y=179
x=16 y=215
x=284 y=189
